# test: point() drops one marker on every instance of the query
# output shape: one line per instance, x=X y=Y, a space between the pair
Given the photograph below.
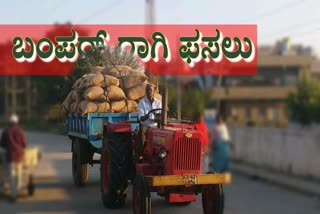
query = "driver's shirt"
x=145 y=106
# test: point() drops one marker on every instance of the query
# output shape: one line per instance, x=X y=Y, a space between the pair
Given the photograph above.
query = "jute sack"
x=95 y=93
x=136 y=92
x=118 y=105
x=92 y=80
x=74 y=107
x=77 y=84
x=131 y=106
x=109 y=80
x=75 y=95
x=93 y=107
x=117 y=70
x=99 y=80
x=132 y=78
x=97 y=69
x=66 y=104
x=115 y=93
x=81 y=81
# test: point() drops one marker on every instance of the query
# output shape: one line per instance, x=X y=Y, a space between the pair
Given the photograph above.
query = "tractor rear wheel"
x=141 y=196
x=114 y=170
x=80 y=165
x=213 y=199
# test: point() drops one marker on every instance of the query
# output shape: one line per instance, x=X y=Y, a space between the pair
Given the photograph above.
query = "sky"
x=298 y=19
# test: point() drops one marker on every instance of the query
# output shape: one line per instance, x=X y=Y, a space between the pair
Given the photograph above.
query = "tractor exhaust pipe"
x=164 y=114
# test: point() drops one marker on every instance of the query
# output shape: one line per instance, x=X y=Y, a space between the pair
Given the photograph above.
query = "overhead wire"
x=286 y=6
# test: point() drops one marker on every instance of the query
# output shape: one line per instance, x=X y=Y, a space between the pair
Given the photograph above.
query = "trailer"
x=86 y=135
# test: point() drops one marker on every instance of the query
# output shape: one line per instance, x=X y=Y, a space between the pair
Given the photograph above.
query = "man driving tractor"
x=146 y=104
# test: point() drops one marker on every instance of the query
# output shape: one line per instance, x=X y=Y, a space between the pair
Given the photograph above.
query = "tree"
x=193 y=100
x=304 y=104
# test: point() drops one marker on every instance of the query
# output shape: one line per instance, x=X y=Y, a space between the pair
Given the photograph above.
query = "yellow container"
x=31 y=156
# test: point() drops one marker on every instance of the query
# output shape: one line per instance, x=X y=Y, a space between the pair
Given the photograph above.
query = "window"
x=273 y=113
x=291 y=79
x=262 y=112
x=234 y=112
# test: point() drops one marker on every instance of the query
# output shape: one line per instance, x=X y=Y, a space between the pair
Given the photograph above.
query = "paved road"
x=55 y=192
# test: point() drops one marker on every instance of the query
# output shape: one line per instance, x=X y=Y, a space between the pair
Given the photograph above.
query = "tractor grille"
x=187 y=154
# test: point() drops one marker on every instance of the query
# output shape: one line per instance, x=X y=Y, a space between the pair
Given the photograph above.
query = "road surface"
x=56 y=193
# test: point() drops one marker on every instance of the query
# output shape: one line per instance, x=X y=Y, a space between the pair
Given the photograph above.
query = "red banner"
x=163 y=49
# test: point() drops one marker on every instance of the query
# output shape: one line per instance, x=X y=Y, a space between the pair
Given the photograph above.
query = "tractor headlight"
x=162 y=153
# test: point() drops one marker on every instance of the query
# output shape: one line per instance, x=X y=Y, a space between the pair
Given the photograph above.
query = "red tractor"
x=169 y=163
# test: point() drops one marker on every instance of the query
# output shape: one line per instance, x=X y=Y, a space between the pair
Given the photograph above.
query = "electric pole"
x=150 y=20
x=150 y=11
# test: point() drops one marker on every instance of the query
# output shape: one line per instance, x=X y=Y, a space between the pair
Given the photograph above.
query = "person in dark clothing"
x=14 y=142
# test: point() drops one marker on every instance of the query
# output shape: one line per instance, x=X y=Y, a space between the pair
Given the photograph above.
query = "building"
x=315 y=69
x=261 y=99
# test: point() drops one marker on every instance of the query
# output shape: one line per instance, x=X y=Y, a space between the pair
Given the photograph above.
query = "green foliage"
x=251 y=123
x=193 y=101
x=54 y=89
x=304 y=104
x=172 y=101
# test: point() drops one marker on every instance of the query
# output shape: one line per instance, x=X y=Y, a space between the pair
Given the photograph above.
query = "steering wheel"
x=153 y=110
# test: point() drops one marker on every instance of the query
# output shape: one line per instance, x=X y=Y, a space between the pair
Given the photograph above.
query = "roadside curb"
x=292 y=183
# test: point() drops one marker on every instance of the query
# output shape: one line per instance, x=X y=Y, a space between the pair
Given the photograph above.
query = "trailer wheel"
x=213 y=199
x=141 y=196
x=114 y=171
x=80 y=165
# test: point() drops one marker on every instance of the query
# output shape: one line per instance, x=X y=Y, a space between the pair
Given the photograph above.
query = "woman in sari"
x=220 y=146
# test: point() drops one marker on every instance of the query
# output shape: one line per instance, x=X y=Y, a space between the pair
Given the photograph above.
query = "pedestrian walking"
x=14 y=142
x=220 y=146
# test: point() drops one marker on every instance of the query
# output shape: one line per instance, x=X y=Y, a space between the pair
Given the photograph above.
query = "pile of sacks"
x=117 y=89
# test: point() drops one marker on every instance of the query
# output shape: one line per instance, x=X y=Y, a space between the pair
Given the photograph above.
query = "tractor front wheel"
x=115 y=169
x=213 y=199
x=141 y=196
x=110 y=197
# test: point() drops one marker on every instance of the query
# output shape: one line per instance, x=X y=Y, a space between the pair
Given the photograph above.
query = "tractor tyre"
x=80 y=165
x=213 y=199
x=141 y=198
x=114 y=170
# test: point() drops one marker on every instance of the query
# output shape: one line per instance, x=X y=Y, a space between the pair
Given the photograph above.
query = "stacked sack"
x=116 y=89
